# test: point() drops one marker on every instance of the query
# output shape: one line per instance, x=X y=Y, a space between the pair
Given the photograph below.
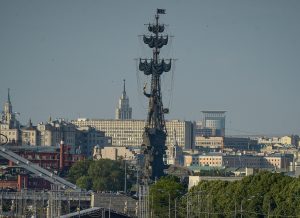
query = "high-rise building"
x=123 y=111
x=215 y=122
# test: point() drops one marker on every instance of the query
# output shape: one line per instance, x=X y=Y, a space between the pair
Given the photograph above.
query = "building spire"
x=8 y=96
x=124 y=89
x=29 y=123
x=123 y=110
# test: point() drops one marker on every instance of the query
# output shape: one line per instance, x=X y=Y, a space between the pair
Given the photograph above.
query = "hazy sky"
x=68 y=59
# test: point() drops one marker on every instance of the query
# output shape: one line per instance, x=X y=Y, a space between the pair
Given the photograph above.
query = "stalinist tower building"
x=123 y=111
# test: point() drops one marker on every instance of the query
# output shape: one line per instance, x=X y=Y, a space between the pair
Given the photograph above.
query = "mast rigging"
x=154 y=136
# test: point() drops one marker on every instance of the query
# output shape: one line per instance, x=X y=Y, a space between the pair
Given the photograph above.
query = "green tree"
x=163 y=195
x=84 y=182
x=100 y=175
x=107 y=175
x=78 y=169
x=261 y=195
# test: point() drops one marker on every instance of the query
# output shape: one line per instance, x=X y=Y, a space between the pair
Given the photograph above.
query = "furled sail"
x=152 y=68
x=156 y=29
x=154 y=41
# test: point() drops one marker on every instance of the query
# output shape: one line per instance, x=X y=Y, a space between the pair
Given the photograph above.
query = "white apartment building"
x=129 y=132
x=284 y=140
x=273 y=161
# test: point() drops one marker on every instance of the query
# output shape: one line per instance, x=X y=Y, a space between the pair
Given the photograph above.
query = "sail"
x=156 y=29
x=152 y=68
x=153 y=41
x=146 y=67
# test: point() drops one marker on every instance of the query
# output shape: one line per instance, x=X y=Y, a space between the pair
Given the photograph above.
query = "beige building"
x=286 y=140
x=273 y=161
x=114 y=153
x=212 y=160
x=209 y=142
x=29 y=135
x=12 y=135
x=52 y=132
x=129 y=132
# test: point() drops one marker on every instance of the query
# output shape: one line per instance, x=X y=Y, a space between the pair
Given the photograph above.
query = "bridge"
x=64 y=197
x=45 y=195
x=96 y=212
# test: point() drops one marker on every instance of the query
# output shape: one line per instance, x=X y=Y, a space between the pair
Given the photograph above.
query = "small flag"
x=161 y=11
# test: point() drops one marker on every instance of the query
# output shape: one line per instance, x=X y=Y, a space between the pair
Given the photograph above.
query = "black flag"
x=161 y=11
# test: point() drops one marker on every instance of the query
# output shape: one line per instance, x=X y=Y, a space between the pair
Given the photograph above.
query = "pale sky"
x=68 y=59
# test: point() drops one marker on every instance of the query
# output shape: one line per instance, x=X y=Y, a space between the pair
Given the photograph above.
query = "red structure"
x=57 y=161
x=22 y=181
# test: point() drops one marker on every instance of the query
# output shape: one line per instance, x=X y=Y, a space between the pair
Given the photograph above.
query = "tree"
x=163 y=194
x=264 y=194
x=99 y=175
x=85 y=182
x=78 y=169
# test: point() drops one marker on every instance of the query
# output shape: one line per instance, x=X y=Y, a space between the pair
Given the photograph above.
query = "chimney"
x=22 y=181
x=61 y=156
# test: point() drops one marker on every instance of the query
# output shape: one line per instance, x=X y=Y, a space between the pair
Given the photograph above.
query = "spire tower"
x=8 y=96
x=123 y=111
x=8 y=105
x=9 y=117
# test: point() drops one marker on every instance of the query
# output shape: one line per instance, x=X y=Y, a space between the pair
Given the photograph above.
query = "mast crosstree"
x=154 y=136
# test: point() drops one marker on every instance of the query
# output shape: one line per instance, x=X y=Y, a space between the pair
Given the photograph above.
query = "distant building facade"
x=129 y=132
x=52 y=132
x=114 y=153
x=270 y=161
x=214 y=120
x=87 y=137
x=211 y=125
x=174 y=153
x=29 y=135
x=283 y=140
x=209 y=142
x=240 y=143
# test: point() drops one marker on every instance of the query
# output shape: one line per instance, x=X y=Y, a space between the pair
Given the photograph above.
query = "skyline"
x=68 y=59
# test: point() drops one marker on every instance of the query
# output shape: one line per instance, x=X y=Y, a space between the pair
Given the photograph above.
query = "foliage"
x=78 y=169
x=100 y=175
x=163 y=195
x=262 y=195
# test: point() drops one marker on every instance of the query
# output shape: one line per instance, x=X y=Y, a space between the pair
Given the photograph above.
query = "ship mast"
x=155 y=133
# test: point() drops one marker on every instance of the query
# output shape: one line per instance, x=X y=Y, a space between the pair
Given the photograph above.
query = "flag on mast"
x=161 y=11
